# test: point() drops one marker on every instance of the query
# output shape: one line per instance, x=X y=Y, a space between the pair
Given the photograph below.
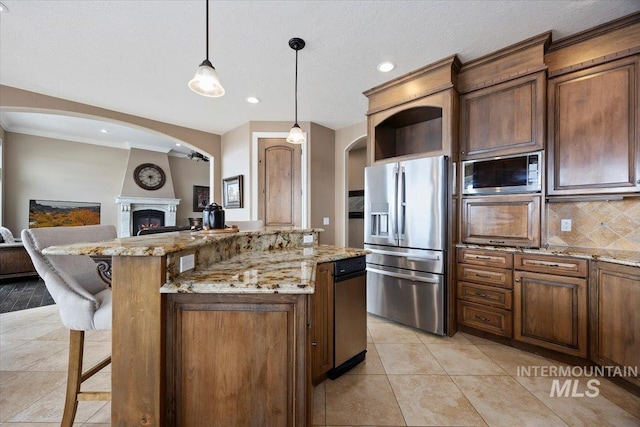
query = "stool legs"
x=75 y=378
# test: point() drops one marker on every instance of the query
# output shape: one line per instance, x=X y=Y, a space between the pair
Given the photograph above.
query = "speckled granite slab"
x=167 y=243
x=631 y=258
x=270 y=271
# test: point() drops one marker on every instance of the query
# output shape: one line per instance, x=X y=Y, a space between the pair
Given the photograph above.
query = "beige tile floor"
x=408 y=378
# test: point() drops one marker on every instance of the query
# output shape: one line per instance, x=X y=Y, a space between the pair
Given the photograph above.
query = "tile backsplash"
x=598 y=224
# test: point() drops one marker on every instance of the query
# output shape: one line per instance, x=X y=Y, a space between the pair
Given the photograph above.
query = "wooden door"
x=501 y=220
x=551 y=311
x=615 y=317
x=593 y=130
x=279 y=182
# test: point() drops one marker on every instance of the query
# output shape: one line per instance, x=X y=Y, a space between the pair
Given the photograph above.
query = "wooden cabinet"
x=15 y=261
x=321 y=323
x=502 y=220
x=593 y=130
x=506 y=118
x=236 y=360
x=615 y=317
x=550 y=310
x=414 y=131
x=414 y=115
x=484 y=290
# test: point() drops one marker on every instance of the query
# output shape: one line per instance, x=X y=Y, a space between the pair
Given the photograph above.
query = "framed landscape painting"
x=52 y=213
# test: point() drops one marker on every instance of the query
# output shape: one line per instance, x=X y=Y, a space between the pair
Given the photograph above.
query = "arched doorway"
x=355 y=162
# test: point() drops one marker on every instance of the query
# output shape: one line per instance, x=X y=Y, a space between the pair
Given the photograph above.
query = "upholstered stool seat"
x=81 y=295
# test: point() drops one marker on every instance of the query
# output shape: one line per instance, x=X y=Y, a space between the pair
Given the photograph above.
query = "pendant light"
x=295 y=134
x=206 y=81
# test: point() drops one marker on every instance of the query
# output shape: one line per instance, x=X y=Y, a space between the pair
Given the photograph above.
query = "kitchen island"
x=226 y=343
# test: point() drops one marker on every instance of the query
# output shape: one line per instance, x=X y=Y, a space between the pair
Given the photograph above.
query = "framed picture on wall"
x=232 y=192
x=356 y=204
x=200 y=197
x=54 y=213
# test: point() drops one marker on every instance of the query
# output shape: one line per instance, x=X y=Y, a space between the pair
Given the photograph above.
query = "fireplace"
x=159 y=212
x=147 y=218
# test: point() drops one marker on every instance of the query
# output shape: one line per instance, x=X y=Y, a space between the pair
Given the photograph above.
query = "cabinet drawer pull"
x=548 y=264
x=496 y=241
x=480 y=257
x=484 y=276
x=484 y=319
x=484 y=295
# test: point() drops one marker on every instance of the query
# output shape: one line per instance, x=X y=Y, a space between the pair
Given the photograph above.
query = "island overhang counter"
x=226 y=343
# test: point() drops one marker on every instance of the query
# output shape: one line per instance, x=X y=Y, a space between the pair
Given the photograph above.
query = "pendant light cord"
x=296 y=86
x=207 y=30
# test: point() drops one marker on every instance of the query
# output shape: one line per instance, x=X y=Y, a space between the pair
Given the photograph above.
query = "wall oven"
x=521 y=173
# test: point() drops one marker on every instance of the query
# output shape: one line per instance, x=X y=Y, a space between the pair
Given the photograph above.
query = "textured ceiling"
x=137 y=56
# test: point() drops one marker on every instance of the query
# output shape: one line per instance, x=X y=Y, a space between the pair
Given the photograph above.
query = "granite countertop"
x=631 y=258
x=290 y=271
x=161 y=244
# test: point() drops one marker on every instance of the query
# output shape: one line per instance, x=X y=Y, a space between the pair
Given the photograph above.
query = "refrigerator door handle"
x=394 y=222
x=404 y=276
x=402 y=203
x=400 y=254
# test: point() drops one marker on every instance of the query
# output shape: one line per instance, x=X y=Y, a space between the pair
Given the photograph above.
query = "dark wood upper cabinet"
x=593 y=130
x=506 y=118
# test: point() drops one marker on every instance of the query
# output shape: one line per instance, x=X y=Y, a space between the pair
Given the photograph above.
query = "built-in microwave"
x=520 y=173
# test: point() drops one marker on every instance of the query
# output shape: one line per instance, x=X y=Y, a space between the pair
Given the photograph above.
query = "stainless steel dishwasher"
x=350 y=315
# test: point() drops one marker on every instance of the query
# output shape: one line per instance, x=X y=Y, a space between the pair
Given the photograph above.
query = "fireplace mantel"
x=127 y=205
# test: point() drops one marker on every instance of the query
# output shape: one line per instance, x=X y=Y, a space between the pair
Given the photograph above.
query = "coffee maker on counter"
x=213 y=217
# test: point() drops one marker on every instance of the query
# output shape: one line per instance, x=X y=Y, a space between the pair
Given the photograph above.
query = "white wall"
x=41 y=168
x=357 y=163
x=344 y=138
x=187 y=173
x=138 y=157
x=51 y=169
x=236 y=160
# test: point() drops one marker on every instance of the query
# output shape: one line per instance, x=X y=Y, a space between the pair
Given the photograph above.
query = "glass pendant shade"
x=296 y=136
x=206 y=81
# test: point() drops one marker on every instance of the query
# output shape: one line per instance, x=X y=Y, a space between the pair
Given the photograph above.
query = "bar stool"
x=82 y=297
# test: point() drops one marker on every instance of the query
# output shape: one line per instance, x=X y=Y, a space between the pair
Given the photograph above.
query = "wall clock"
x=149 y=176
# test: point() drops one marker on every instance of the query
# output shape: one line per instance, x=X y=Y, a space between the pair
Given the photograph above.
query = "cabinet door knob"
x=313 y=344
x=516 y=280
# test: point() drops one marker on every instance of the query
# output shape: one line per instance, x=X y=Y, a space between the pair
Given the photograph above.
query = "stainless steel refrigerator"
x=406 y=230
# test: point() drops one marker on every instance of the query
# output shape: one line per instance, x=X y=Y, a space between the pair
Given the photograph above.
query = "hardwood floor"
x=22 y=294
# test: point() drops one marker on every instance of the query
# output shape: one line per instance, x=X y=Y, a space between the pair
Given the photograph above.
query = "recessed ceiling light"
x=103 y=130
x=252 y=100
x=385 y=67
x=3 y=8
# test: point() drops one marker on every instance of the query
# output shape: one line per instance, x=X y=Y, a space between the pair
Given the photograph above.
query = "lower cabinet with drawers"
x=584 y=309
x=485 y=282
x=537 y=299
